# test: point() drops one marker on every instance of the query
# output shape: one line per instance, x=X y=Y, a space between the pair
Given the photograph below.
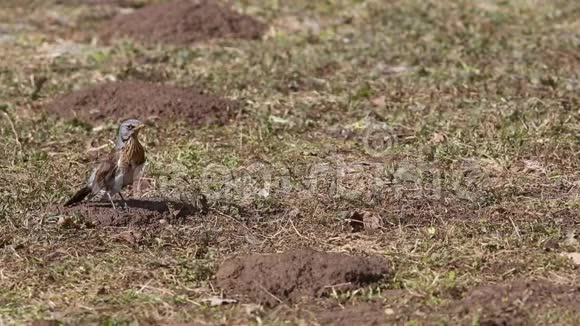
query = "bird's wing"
x=106 y=170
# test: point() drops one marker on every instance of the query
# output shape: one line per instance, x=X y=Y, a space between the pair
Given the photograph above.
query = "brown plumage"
x=78 y=196
x=120 y=168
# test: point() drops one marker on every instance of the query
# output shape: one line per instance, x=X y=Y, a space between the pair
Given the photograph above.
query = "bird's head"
x=129 y=129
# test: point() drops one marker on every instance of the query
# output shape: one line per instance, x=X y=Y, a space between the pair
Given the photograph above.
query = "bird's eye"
x=130 y=127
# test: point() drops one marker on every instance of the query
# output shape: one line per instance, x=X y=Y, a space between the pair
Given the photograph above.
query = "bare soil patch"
x=42 y=322
x=140 y=212
x=517 y=303
x=116 y=3
x=397 y=307
x=183 y=22
x=142 y=100
x=287 y=277
x=371 y=313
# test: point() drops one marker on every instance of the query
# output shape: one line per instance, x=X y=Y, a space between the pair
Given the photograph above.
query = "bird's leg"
x=125 y=206
x=112 y=203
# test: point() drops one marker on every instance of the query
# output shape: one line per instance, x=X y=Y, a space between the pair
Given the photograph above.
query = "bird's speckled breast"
x=131 y=163
x=133 y=154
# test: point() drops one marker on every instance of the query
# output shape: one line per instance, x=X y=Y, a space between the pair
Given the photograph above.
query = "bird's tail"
x=80 y=195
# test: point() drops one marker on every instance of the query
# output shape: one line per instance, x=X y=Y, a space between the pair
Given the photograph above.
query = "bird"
x=120 y=168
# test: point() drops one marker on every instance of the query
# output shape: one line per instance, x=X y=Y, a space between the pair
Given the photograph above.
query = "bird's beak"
x=139 y=127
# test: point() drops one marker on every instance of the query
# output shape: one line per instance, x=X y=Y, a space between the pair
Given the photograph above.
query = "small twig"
x=160 y=290
x=282 y=229
x=295 y=230
x=337 y=285
x=144 y=286
x=232 y=218
x=515 y=228
x=270 y=294
x=95 y=149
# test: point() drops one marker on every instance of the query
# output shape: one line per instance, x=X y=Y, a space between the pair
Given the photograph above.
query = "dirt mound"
x=138 y=213
x=274 y=278
x=516 y=303
x=142 y=100
x=183 y=22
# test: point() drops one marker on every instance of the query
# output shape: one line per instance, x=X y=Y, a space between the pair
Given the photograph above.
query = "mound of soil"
x=183 y=22
x=287 y=277
x=138 y=213
x=516 y=303
x=142 y=100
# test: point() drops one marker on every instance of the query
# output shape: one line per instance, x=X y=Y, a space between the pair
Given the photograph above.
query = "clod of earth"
x=183 y=22
x=287 y=277
x=142 y=100
x=516 y=303
x=360 y=221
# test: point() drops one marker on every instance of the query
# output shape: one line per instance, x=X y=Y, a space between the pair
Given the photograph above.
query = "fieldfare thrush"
x=120 y=168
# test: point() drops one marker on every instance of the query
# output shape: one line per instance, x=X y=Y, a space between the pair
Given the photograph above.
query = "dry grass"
x=456 y=122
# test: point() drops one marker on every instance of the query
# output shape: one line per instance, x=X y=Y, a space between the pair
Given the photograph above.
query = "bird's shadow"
x=161 y=206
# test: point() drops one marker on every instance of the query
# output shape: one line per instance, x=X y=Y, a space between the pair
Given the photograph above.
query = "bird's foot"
x=125 y=206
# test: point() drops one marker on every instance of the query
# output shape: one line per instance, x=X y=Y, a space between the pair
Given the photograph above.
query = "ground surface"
x=435 y=141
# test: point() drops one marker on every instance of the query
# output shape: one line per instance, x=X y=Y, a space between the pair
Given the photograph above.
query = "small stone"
x=65 y=222
x=360 y=221
x=570 y=240
x=130 y=237
x=551 y=245
x=379 y=101
x=574 y=256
